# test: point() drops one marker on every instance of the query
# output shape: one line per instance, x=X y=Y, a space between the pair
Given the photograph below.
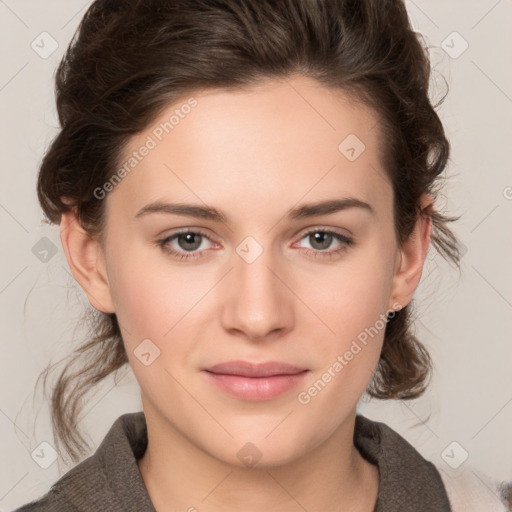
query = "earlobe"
x=412 y=256
x=86 y=261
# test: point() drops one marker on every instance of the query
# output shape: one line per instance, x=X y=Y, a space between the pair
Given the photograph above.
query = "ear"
x=411 y=256
x=86 y=260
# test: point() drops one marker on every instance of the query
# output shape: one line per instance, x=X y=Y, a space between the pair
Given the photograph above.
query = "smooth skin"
x=254 y=155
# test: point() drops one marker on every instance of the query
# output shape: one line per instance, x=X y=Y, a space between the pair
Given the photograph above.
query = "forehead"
x=272 y=144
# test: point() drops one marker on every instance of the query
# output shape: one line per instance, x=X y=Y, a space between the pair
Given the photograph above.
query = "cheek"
x=153 y=304
x=150 y=297
x=350 y=297
x=351 y=301
x=355 y=309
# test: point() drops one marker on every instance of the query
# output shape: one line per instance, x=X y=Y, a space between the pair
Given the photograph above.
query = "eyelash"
x=346 y=243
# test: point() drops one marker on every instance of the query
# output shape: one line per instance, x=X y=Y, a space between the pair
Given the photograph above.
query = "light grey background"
x=465 y=319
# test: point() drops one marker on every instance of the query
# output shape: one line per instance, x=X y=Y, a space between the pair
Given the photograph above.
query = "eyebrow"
x=209 y=213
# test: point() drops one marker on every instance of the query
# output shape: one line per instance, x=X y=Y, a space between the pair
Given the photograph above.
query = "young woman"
x=246 y=192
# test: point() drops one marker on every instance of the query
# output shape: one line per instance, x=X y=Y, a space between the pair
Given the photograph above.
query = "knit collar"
x=406 y=480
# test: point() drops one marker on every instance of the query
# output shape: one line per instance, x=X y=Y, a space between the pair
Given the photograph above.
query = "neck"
x=180 y=476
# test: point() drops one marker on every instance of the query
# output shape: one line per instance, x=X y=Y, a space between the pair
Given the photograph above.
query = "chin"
x=252 y=456
x=259 y=451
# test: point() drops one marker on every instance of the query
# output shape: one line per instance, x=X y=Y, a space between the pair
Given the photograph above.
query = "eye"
x=185 y=244
x=322 y=239
x=190 y=245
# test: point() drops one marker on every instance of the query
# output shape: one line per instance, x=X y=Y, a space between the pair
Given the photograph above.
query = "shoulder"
x=52 y=501
x=107 y=480
x=80 y=480
x=405 y=474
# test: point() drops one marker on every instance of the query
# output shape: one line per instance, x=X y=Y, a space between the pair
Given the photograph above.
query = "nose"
x=259 y=303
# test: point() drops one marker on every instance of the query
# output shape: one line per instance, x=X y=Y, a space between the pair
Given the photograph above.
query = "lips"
x=255 y=381
x=255 y=370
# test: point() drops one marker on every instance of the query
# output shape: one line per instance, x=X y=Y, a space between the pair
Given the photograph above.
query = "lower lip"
x=256 y=388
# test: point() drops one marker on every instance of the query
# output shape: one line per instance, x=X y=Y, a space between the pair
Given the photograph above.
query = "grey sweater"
x=110 y=481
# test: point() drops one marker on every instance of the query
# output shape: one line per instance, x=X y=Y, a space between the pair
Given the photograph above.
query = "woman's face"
x=266 y=274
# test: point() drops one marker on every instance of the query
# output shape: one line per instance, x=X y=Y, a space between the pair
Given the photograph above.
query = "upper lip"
x=247 y=369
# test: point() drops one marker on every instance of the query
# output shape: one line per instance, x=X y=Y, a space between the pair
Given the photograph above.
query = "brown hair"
x=131 y=58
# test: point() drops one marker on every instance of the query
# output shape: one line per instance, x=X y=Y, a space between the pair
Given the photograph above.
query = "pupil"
x=318 y=238
x=189 y=239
